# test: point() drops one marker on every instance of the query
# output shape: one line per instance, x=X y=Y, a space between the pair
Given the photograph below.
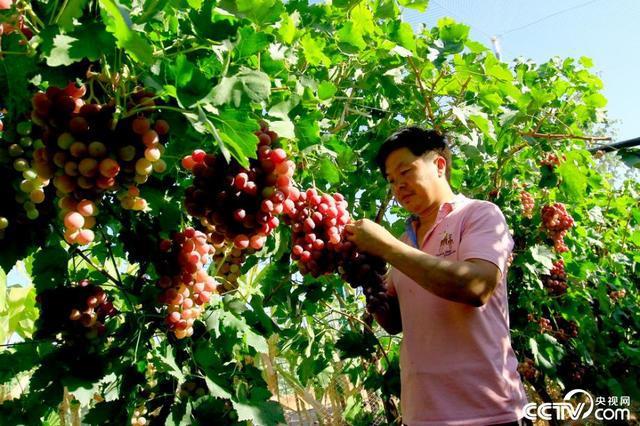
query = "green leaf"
x=543 y=255
x=256 y=85
x=135 y=45
x=216 y=390
x=72 y=9
x=288 y=30
x=3 y=292
x=326 y=90
x=191 y=83
x=259 y=11
x=256 y=341
x=313 y=49
x=420 y=5
x=574 y=181
x=103 y=412
x=237 y=134
x=595 y=100
x=59 y=55
x=260 y=413
x=50 y=267
x=251 y=42
x=328 y=171
x=352 y=35
x=168 y=359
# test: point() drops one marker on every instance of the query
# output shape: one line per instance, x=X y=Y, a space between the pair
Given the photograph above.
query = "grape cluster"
x=616 y=295
x=528 y=370
x=557 y=222
x=86 y=152
x=93 y=312
x=186 y=284
x=317 y=223
x=138 y=418
x=77 y=312
x=566 y=329
x=544 y=324
x=228 y=260
x=242 y=205
x=528 y=204
x=551 y=160
x=556 y=281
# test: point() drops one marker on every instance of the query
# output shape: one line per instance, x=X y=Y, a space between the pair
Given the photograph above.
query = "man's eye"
x=404 y=172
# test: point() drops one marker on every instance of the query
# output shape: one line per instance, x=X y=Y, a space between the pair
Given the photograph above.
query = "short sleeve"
x=485 y=235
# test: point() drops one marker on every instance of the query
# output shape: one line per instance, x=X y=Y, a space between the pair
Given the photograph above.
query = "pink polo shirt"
x=456 y=361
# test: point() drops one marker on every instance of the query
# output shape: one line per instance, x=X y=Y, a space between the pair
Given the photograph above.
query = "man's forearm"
x=455 y=281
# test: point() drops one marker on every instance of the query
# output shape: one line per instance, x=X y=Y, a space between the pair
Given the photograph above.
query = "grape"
x=4 y=222
x=551 y=160
x=528 y=204
x=557 y=222
x=185 y=283
x=240 y=204
x=73 y=220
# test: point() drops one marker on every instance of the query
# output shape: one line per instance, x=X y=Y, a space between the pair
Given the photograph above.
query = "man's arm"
x=470 y=282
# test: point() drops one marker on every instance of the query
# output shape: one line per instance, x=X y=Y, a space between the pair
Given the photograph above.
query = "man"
x=448 y=277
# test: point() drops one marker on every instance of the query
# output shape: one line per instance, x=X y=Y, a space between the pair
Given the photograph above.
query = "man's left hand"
x=369 y=237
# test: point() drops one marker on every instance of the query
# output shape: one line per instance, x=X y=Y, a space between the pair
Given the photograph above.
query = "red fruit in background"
x=75 y=91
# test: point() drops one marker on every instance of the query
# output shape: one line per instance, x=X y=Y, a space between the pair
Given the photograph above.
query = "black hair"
x=419 y=141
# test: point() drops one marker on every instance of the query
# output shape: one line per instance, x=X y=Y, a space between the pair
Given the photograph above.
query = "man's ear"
x=441 y=164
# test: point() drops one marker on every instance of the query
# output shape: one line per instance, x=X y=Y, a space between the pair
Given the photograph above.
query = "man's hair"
x=419 y=141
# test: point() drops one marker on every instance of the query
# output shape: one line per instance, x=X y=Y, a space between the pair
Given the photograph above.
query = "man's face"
x=415 y=181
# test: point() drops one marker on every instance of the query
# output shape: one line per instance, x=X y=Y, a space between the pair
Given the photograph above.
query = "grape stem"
x=564 y=136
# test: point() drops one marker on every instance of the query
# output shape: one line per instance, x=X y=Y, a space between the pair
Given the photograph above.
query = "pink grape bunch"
x=85 y=152
x=317 y=223
x=94 y=311
x=528 y=204
x=556 y=281
x=187 y=285
x=551 y=160
x=557 y=222
x=566 y=329
x=238 y=204
x=79 y=219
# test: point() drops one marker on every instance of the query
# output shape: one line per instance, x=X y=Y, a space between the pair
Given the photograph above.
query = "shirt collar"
x=446 y=207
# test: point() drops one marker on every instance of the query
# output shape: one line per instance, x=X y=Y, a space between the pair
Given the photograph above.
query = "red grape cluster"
x=317 y=224
x=556 y=281
x=551 y=160
x=616 y=295
x=528 y=204
x=557 y=222
x=78 y=312
x=186 y=283
x=566 y=329
x=87 y=152
x=242 y=205
x=96 y=308
x=543 y=323
x=528 y=370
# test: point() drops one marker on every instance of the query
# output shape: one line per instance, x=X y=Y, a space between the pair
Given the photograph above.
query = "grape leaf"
x=251 y=42
x=260 y=413
x=119 y=25
x=72 y=9
x=50 y=267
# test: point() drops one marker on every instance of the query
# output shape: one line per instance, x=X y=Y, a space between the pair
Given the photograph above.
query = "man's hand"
x=369 y=237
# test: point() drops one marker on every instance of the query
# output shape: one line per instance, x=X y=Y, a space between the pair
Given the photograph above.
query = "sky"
x=603 y=30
